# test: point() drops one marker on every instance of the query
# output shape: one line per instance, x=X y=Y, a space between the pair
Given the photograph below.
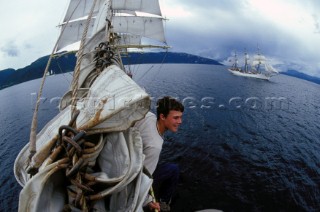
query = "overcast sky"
x=287 y=31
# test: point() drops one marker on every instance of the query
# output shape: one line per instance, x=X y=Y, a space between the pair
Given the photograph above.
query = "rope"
x=151 y=191
x=153 y=197
x=73 y=148
x=80 y=55
x=34 y=124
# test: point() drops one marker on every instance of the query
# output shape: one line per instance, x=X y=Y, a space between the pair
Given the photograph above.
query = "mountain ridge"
x=301 y=75
x=66 y=63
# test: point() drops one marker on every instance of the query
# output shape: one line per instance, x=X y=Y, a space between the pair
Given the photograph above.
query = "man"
x=152 y=129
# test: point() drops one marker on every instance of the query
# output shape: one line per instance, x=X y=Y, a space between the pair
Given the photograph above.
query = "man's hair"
x=167 y=103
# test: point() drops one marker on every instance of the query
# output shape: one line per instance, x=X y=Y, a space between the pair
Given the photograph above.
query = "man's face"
x=173 y=120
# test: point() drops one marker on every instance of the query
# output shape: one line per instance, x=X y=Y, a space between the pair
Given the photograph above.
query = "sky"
x=287 y=32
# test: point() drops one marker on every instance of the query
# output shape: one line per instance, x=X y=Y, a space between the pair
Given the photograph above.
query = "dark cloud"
x=316 y=23
x=10 y=49
x=228 y=26
x=227 y=30
x=227 y=37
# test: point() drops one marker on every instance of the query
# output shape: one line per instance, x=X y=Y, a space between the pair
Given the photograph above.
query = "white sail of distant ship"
x=259 y=68
x=88 y=157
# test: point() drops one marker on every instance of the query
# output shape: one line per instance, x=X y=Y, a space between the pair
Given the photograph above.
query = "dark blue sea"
x=244 y=145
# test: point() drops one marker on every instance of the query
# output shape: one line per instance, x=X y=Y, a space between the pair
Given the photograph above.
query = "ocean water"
x=244 y=145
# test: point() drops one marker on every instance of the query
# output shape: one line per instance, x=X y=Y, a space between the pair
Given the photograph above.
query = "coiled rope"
x=73 y=149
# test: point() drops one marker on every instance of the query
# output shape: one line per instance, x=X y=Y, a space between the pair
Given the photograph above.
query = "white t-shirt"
x=151 y=140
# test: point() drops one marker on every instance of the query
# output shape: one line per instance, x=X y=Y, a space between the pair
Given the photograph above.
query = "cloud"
x=215 y=29
x=316 y=23
x=287 y=32
x=31 y=33
x=10 y=50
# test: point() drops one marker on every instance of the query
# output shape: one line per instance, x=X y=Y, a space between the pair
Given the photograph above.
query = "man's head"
x=169 y=113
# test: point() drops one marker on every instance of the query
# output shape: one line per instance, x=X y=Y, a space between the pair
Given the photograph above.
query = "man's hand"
x=154 y=206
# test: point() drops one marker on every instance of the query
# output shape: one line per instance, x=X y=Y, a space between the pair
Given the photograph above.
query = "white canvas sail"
x=270 y=68
x=73 y=33
x=80 y=8
x=137 y=26
x=144 y=26
x=258 y=60
x=147 y=6
x=127 y=39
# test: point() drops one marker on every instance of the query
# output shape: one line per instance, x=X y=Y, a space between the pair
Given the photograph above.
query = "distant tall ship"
x=258 y=68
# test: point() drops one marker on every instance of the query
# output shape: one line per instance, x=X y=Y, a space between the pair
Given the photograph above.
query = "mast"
x=259 y=60
x=246 y=58
x=235 y=64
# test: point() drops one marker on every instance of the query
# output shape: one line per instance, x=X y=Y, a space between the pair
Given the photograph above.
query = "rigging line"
x=130 y=67
x=34 y=124
x=79 y=60
x=165 y=56
x=161 y=65
x=145 y=74
x=137 y=64
x=64 y=76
